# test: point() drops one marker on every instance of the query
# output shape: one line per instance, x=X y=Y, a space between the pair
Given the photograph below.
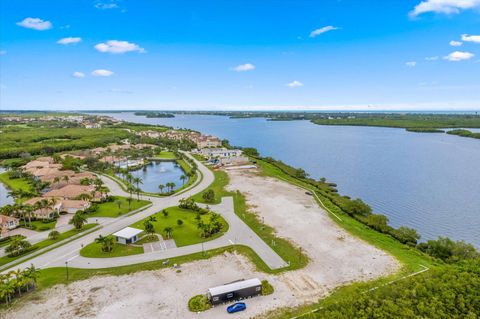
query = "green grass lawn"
x=16 y=184
x=111 y=209
x=94 y=250
x=218 y=186
x=47 y=242
x=186 y=234
x=39 y=225
x=166 y=155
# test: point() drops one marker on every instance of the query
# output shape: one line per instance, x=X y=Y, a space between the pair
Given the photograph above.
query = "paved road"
x=238 y=233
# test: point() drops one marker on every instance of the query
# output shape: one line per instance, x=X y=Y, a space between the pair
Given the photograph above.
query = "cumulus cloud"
x=118 y=47
x=459 y=56
x=411 y=64
x=102 y=72
x=35 y=23
x=432 y=58
x=471 y=38
x=444 y=6
x=456 y=43
x=69 y=40
x=78 y=74
x=319 y=31
x=244 y=67
x=294 y=84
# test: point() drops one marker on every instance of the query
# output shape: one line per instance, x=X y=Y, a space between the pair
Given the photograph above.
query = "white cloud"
x=471 y=38
x=102 y=72
x=455 y=43
x=319 y=31
x=244 y=67
x=118 y=47
x=106 y=5
x=432 y=58
x=69 y=40
x=78 y=74
x=459 y=56
x=294 y=84
x=411 y=64
x=444 y=6
x=35 y=23
x=3 y=52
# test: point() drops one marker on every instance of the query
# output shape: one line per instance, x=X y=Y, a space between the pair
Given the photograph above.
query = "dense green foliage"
x=447 y=292
x=152 y=114
x=267 y=288
x=464 y=133
x=20 y=140
x=448 y=250
x=199 y=303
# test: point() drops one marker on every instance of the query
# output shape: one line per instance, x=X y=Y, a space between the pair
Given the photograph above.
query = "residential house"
x=8 y=222
x=74 y=191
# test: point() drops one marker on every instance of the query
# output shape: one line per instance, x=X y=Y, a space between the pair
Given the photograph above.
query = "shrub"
x=199 y=303
x=267 y=289
x=209 y=196
x=53 y=235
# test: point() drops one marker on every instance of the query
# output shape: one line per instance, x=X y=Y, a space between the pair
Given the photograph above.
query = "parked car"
x=309 y=193
x=236 y=307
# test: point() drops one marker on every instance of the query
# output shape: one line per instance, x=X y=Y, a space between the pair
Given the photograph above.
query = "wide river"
x=430 y=182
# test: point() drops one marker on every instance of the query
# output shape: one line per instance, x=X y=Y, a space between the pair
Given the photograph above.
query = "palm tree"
x=66 y=178
x=137 y=181
x=18 y=280
x=78 y=220
x=161 y=186
x=168 y=231
x=107 y=243
x=32 y=275
x=183 y=178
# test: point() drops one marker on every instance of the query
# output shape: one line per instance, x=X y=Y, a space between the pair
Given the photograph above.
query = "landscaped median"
x=117 y=206
x=184 y=226
x=45 y=243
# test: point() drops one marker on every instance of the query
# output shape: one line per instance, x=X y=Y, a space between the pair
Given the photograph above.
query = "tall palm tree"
x=137 y=181
x=183 y=178
x=168 y=231
x=161 y=186
x=107 y=243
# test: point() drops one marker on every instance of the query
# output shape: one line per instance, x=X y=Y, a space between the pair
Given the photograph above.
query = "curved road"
x=238 y=233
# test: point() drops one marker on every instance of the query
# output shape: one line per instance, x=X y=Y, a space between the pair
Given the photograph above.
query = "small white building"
x=128 y=235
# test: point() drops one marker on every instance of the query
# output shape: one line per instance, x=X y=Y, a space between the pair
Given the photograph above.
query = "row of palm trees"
x=15 y=282
x=26 y=212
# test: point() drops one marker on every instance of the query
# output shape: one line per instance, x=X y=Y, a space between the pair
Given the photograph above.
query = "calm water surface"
x=430 y=182
x=4 y=198
x=156 y=173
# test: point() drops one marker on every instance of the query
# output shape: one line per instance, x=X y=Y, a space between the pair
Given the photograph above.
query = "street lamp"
x=66 y=268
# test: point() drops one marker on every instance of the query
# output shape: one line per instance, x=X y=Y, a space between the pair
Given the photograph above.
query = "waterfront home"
x=128 y=235
x=223 y=156
x=207 y=141
x=8 y=222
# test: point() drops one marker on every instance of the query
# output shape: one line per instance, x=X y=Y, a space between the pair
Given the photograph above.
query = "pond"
x=4 y=198
x=159 y=172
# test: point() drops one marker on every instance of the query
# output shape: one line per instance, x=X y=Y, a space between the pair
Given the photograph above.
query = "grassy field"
x=187 y=233
x=218 y=186
x=45 y=243
x=166 y=155
x=112 y=209
x=39 y=225
x=94 y=250
x=16 y=184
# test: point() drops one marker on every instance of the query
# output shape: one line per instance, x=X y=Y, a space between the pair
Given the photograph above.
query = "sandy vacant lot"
x=336 y=258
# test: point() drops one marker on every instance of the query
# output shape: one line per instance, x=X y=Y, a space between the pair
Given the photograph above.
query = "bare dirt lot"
x=336 y=258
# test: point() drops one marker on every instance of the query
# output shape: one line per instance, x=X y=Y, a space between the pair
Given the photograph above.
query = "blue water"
x=430 y=182
x=4 y=198
x=157 y=173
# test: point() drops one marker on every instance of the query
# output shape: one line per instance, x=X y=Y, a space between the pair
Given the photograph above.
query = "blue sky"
x=331 y=54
